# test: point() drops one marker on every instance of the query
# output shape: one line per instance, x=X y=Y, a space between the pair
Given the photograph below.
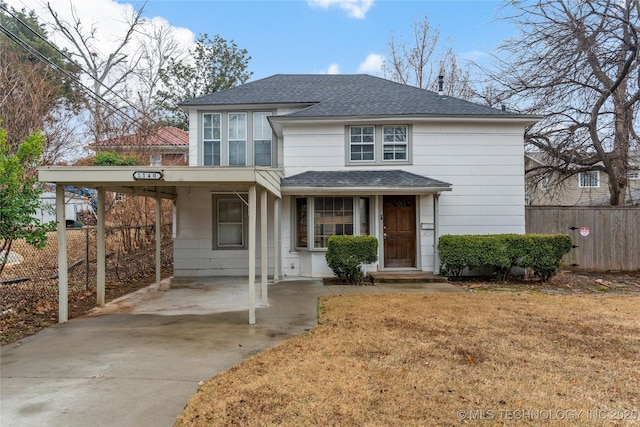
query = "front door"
x=399 y=229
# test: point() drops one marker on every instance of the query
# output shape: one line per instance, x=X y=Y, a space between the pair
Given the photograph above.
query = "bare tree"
x=576 y=62
x=418 y=63
x=161 y=48
x=108 y=74
x=36 y=85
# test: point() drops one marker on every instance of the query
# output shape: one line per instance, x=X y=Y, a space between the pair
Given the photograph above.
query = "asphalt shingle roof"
x=361 y=178
x=164 y=136
x=344 y=95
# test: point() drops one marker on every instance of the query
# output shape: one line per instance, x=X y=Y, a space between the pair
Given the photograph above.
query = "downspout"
x=436 y=234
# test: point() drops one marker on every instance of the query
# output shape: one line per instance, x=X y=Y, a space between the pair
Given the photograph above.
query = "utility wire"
x=97 y=97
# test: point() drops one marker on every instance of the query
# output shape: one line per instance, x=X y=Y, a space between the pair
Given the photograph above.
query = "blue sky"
x=297 y=36
x=300 y=36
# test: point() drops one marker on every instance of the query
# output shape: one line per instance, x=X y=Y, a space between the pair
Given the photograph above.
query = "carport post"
x=63 y=278
x=276 y=240
x=264 y=257
x=100 y=249
x=158 y=237
x=252 y=254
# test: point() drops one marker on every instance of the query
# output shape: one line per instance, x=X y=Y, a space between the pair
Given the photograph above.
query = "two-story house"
x=358 y=155
x=278 y=165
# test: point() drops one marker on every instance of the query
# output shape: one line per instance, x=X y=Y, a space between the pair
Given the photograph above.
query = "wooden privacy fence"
x=604 y=238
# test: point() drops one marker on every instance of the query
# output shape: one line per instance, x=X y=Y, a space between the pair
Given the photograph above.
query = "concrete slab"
x=137 y=361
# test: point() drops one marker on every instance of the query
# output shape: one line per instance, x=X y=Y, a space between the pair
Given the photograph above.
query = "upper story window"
x=544 y=181
x=589 y=179
x=378 y=144
x=262 y=138
x=211 y=139
x=394 y=142
x=237 y=139
x=361 y=143
x=633 y=175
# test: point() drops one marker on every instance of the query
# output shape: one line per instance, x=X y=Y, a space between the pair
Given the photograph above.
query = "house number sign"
x=138 y=175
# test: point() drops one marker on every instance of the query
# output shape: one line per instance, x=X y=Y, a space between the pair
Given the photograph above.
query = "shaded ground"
x=487 y=359
x=17 y=325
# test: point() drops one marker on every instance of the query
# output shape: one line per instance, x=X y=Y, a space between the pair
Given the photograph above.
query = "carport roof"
x=121 y=178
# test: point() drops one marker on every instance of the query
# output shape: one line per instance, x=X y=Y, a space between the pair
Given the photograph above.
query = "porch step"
x=405 y=276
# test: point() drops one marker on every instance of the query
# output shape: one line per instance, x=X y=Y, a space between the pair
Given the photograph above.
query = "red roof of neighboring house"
x=161 y=137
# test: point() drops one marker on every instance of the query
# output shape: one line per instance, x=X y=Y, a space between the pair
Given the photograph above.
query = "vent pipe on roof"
x=440 y=85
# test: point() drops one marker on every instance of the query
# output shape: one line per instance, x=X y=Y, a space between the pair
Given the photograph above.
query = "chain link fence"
x=29 y=282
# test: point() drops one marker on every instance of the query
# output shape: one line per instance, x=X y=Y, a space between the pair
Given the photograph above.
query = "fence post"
x=86 y=258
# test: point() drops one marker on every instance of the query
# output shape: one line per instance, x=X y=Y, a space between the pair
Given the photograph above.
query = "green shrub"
x=347 y=254
x=109 y=158
x=501 y=252
x=544 y=254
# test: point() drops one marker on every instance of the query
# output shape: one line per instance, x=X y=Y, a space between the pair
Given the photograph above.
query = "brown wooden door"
x=399 y=213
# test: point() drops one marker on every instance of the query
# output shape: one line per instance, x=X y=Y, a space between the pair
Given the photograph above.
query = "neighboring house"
x=77 y=201
x=278 y=165
x=583 y=189
x=163 y=146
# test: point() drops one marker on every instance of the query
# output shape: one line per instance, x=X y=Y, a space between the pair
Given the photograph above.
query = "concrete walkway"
x=137 y=361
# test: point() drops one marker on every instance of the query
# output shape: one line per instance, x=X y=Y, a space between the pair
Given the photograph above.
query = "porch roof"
x=361 y=182
x=121 y=179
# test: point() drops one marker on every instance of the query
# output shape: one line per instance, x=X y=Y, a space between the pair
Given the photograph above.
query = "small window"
x=229 y=222
x=361 y=143
x=237 y=139
x=633 y=175
x=211 y=139
x=544 y=181
x=590 y=179
x=301 y=223
x=262 y=136
x=394 y=143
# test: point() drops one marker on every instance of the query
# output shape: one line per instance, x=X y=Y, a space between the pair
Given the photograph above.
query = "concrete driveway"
x=137 y=361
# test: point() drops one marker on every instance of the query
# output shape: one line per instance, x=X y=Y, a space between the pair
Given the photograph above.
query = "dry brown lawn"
x=441 y=359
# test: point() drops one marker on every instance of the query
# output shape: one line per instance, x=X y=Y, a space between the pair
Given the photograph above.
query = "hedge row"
x=540 y=252
x=347 y=254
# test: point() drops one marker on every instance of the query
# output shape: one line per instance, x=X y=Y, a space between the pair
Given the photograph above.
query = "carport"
x=162 y=183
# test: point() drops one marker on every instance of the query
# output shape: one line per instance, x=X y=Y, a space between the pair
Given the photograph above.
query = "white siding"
x=483 y=162
x=193 y=253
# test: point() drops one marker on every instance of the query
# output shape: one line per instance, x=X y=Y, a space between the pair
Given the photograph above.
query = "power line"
x=93 y=94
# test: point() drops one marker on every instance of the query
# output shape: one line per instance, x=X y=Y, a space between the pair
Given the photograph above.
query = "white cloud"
x=333 y=69
x=474 y=55
x=108 y=17
x=372 y=64
x=354 y=8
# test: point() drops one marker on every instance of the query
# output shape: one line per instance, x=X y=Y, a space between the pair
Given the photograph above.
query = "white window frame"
x=237 y=136
x=362 y=143
x=633 y=175
x=582 y=178
x=212 y=140
x=544 y=181
x=404 y=143
x=227 y=197
x=262 y=140
x=379 y=145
